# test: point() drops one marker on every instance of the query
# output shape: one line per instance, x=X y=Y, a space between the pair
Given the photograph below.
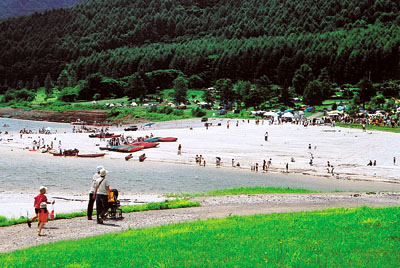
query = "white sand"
x=348 y=150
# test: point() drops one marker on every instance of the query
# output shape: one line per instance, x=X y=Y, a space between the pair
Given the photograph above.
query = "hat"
x=99 y=168
x=42 y=188
x=103 y=172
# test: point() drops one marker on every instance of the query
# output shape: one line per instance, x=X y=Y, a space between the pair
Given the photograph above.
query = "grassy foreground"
x=370 y=127
x=150 y=206
x=246 y=190
x=361 y=237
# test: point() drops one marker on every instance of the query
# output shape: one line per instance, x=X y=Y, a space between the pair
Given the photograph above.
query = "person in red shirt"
x=40 y=208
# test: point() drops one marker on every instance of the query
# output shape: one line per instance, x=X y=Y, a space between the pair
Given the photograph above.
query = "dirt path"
x=20 y=236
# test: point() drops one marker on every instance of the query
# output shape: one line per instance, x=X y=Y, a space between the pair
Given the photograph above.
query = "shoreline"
x=347 y=149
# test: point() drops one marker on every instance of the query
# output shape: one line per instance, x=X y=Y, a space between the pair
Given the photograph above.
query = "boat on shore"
x=142 y=157
x=146 y=145
x=107 y=135
x=167 y=139
x=91 y=155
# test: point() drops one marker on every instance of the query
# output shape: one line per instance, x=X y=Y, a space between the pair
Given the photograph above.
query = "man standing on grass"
x=101 y=196
x=96 y=176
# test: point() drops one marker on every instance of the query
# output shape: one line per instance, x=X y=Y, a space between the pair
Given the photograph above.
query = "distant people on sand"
x=95 y=177
x=374 y=162
x=217 y=161
x=394 y=160
x=233 y=162
x=370 y=163
x=40 y=205
x=287 y=167
x=179 y=149
x=266 y=136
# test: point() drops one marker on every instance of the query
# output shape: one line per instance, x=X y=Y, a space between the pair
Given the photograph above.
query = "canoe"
x=108 y=135
x=104 y=148
x=73 y=154
x=135 y=149
x=142 y=158
x=146 y=145
x=168 y=139
x=120 y=148
x=91 y=155
x=151 y=140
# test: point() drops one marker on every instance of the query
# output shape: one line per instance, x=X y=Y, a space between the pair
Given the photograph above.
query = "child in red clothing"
x=41 y=212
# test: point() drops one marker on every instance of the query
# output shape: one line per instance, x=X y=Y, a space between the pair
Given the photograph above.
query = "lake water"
x=26 y=171
x=22 y=173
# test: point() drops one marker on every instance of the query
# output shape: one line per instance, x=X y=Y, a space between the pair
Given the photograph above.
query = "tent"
x=272 y=114
x=288 y=111
x=288 y=115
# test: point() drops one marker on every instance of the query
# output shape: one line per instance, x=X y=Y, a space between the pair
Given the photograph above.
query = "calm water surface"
x=23 y=171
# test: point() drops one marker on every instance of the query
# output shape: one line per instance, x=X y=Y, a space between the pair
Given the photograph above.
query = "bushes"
x=19 y=95
x=198 y=112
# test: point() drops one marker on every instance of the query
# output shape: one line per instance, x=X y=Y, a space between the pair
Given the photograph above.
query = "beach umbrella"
x=340 y=108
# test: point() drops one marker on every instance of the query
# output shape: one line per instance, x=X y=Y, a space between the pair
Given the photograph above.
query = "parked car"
x=222 y=112
x=131 y=128
x=204 y=119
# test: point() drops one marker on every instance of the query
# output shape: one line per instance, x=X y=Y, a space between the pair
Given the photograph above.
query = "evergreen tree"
x=48 y=84
x=301 y=77
x=180 y=89
x=366 y=91
x=35 y=83
x=313 y=93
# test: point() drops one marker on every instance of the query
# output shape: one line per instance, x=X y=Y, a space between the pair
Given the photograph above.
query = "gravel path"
x=20 y=236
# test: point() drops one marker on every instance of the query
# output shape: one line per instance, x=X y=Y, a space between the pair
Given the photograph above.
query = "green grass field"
x=370 y=127
x=246 y=190
x=361 y=237
x=149 y=206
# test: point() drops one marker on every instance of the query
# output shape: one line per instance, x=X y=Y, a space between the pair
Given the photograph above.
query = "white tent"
x=272 y=114
x=288 y=115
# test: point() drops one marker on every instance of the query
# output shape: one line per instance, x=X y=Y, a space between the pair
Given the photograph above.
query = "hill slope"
x=211 y=38
x=14 y=8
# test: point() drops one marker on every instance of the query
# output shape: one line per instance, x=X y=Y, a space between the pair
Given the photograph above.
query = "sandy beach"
x=347 y=150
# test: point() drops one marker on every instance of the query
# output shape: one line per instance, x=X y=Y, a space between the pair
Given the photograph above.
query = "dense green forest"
x=14 y=8
x=345 y=41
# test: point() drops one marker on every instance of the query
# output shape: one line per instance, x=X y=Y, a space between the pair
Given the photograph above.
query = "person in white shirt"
x=101 y=196
x=96 y=176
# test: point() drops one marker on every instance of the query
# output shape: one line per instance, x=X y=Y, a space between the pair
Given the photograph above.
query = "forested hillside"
x=14 y=8
x=210 y=38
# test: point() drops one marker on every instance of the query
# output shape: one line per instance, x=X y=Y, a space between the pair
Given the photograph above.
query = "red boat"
x=146 y=145
x=91 y=155
x=142 y=157
x=107 y=135
x=135 y=149
x=73 y=154
x=168 y=139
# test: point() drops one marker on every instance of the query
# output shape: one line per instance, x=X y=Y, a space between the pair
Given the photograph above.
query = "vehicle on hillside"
x=204 y=119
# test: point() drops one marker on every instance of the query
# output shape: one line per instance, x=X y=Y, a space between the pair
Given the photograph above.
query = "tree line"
x=246 y=40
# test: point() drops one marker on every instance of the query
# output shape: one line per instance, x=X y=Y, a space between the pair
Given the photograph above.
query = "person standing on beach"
x=179 y=149
x=40 y=209
x=96 y=176
x=266 y=136
x=101 y=195
x=394 y=160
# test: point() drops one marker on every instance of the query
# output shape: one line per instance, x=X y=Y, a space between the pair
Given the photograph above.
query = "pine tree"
x=48 y=84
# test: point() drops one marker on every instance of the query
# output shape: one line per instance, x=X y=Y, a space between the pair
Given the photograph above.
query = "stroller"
x=114 y=211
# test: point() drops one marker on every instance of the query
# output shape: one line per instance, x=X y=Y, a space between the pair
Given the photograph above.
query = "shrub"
x=198 y=112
